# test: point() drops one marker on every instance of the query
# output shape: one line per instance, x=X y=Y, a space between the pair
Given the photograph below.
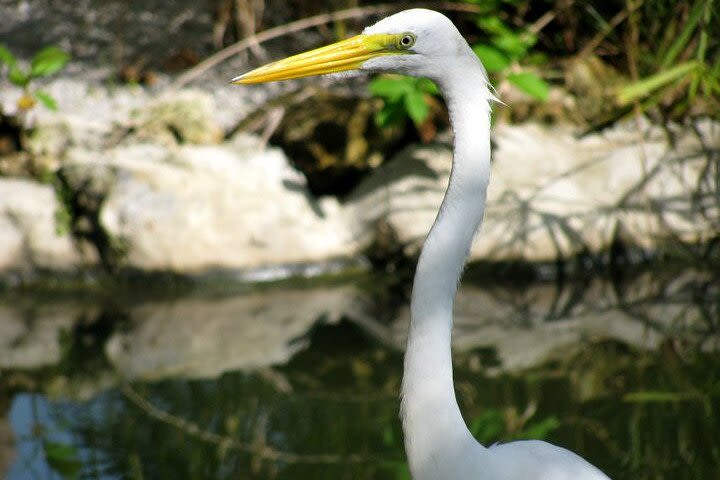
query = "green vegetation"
x=503 y=50
x=332 y=413
x=666 y=54
x=685 y=66
x=46 y=62
x=403 y=97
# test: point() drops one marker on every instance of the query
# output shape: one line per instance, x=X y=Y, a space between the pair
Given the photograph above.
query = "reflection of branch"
x=600 y=432
x=258 y=449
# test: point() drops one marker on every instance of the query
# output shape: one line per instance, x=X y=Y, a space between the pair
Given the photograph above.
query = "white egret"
x=438 y=444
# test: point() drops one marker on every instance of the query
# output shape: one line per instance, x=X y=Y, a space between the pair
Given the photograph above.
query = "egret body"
x=439 y=446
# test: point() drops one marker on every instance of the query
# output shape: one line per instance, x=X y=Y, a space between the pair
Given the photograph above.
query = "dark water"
x=301 y=382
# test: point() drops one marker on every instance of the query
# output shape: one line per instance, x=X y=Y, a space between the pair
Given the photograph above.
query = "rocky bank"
x=148 y=183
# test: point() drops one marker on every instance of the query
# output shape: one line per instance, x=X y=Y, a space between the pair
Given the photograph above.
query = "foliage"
x=502 y=50
x=403 y=97
x=63 y=458
x=507 y=48
x=46 y=62
x=493 y=425
x=687 y=64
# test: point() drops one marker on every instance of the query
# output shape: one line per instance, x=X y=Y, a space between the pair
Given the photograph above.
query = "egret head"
x=415 y=42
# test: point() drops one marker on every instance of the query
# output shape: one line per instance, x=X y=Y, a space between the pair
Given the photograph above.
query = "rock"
x=183 y=117
x=193 y=209
x=30 y=237
x=553 y=196
x=56 y=133
x=204 y=337
x=403 y=195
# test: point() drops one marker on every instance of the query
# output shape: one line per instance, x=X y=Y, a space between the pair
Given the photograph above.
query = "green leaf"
x=48 y=61
x=512 y=44
x=488 y=427
x=492 y=58
x=645 y=87
x=402 y=472
x=660 y=397
x=540 y=430
x=388 y=436
x=391 y=87
x=682 y=40
x=493 y=24
x=391 y=113
x=46 y=99
x=63 y=458
x=6 y=56
x=417 y=108
x=18 y=77
x=531 y=84
x=428 y=86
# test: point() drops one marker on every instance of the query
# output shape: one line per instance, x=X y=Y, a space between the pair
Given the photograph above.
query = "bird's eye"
x=406 y=41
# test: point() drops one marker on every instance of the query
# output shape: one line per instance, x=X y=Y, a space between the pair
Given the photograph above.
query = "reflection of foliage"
x=657 y=390
x=332 y=413
x=50 y=453
x=63 y=458
x=493 y=425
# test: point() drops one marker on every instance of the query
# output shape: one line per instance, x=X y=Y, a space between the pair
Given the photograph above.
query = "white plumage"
x=439 y=446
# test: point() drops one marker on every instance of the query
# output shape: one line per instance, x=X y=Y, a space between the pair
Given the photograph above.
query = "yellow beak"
x=345 y=55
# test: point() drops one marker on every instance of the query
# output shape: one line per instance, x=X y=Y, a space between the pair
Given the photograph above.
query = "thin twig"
x=542 y=22
x=614 y=22
x=259 y=448
x=300 y=25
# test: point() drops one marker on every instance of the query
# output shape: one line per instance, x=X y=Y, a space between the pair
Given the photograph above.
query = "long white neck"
x=433 y=426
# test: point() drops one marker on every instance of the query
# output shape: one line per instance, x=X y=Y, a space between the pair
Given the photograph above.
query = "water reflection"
x=302 y=382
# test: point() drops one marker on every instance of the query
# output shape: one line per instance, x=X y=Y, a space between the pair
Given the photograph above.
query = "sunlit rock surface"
x=160 y=184
x=195 y=208
x=30 y=236
x=553 y=195
x=185 y=117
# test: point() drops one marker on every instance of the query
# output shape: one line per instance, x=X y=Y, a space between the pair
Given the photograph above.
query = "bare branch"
x=303 y=24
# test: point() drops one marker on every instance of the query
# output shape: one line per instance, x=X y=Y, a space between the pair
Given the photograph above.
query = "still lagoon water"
x=301 y=381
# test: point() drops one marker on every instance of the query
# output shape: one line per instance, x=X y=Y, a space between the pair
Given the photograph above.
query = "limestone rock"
x=184 y=117
x=404 y=194
x=192 y=209
x=553 y=195
x=30 y=237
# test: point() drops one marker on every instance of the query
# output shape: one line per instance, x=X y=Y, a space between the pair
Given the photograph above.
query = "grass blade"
x=682 y=40
x=648 y=85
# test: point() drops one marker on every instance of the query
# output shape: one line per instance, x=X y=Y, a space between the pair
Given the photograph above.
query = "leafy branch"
x=403 y=97
x=46 y=62
x=503 y=53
